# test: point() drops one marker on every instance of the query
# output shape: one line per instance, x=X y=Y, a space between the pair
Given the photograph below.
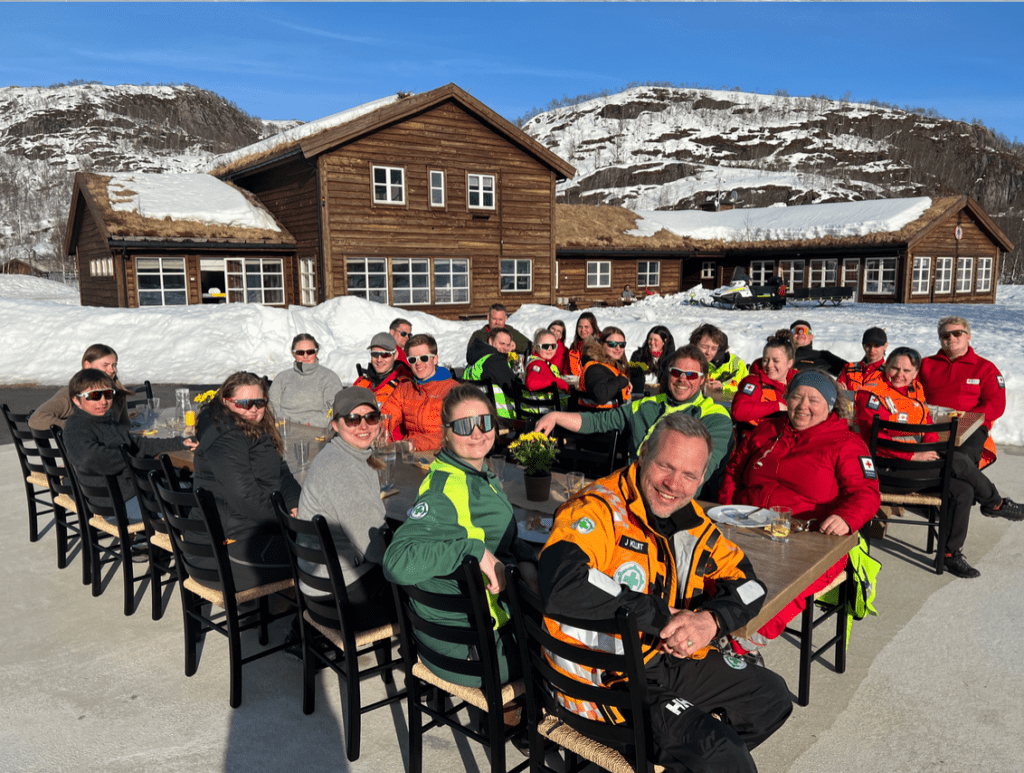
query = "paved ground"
x=933 y=684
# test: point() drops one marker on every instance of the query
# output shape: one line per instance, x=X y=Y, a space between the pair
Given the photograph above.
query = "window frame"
x=441 y=188
x=965 y=284
x=388 y=185
x=307 y=281
x=820 y=271
x=515 y=275
x=922 y=264
x=789 y=273
x=885 y=266
x=161 y=273
x=451 y=288
x=708 y=270
x=944 y=275
x=608 y=271
x=367 y=290
x=656 y=273
x=481 y=191
x=764 y=271
x=412 y=290
x=985 y=265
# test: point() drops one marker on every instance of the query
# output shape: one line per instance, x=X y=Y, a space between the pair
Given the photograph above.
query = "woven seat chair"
x=324 y=608
x=917 y=484
x=428 y=692
x=201 y=556
x=37 y=489
x=583 y=740
x=65 y=501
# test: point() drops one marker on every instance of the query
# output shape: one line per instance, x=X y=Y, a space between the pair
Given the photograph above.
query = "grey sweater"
x=345 y=490
x=304 y=393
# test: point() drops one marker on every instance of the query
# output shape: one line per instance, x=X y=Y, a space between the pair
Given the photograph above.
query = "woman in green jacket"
x=461 y=511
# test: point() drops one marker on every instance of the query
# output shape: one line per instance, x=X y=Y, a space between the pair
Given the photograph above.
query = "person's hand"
x=835 y=525
x=494 y=571
x=528 y=571
x=191 y=444
x=715 y=384
x=294 y=512
x=924 y=456
x=547 y=423
x=687 y=632
x=783 y=406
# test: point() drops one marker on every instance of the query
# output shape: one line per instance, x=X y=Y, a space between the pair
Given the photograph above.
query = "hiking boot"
x=1010 y=510
x=957 y=566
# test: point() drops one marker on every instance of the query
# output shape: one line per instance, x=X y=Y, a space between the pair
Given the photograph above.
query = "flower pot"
x=538 y=486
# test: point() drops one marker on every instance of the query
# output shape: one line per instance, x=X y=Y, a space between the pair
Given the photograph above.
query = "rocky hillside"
x=654 y=147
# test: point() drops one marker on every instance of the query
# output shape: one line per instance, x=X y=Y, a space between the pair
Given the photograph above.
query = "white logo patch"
x=584 y=526
x=974 y=381
x=750 y=591
x=632 y=575
x=749 y=389
x=419 y=511
x=678 y=706
x=867 y=464
x=999 y=380
x=874 y=402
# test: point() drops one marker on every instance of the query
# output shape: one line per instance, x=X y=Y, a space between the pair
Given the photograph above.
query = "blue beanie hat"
x=816 y=380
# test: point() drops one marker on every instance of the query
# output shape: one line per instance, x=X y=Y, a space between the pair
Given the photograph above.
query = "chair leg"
x=496 y=737
x=33 y=512
x=382 y=650
x=128 y=573
x=806 y=653
x=191 y=605
x=156 y=581
x=235 y=656
x=263 y=610
x=353 y=711
x=415 y=729
x=60 y=527
x=97 y=565
x=843 y=622
x=308 y=672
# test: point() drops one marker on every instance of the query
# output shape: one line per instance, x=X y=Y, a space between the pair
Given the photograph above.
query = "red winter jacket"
x=540 y=377
x=758 y=397
x=968 y=383
x=821 y=471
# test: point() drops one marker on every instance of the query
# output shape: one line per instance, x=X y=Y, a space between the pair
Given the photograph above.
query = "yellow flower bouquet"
x=204 y=397
x=535 y=451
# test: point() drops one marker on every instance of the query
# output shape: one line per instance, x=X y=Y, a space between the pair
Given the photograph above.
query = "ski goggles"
x=246 y=403
x=465 y=426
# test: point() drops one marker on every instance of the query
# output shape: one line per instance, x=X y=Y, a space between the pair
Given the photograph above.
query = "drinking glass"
x=301 y=450
x=574 y=482
x=406 y=451
x=385 y=453
x=781 y=523
x=282 y=428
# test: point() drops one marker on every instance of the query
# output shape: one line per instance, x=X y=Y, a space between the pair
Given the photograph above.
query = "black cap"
x=874 y=336
x=795 y=325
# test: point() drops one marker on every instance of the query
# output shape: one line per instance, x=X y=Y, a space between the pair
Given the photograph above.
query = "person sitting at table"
x=497 y=316
x=614 y=545
x=586 y=326
x=343 y=487
x=462 y=511
x=561 y=358
x=809 y=358
x=59 y=408
x=725 y=370
x=414 y=408
x=488 y=361
x=239 y=461
x=628 y=296
x=867 y=372
x=543 y=377
x=900 y=397
x=808 y=460
x=763 y=392
x=604 y=379
x=682 y=381
x=384 y=373
x=658 y=343
x=93 y=437
x=304 y=392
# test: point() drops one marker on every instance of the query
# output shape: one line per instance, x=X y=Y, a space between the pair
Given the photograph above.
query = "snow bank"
x=44 y=334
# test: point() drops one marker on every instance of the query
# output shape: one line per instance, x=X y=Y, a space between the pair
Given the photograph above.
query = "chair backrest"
x=24 y=442
x=904 y=476
x=471 y=602
x=544 y=683
x=55 y=466
x=533 y=407
x=197 y=537
x=593 y=455
x=143 y=393
x=139 y=469
x=58 y=440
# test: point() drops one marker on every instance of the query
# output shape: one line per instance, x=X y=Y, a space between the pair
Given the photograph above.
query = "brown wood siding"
x=448 y=139
x=942 y=242
x=572 y=279
x=95 y=290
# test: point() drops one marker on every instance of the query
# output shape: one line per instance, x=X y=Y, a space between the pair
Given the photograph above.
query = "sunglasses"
x=95 y=395
x=952 y=334
x=464 y=427
x=422 y=358
x=547 y=347
x=303 y=352
x=247 y=403
x=685 y=375
x=616 y=344
x=400 y=333
x=372 y=419
x=378 y=355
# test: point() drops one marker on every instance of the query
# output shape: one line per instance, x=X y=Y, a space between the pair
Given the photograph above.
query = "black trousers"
x=969 y=485
x=753 y=702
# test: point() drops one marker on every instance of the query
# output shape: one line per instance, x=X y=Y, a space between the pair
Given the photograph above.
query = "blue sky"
x=304 y=61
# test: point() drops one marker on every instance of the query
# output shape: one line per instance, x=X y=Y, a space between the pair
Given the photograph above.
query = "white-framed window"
x=599 y=273
x=964 y=275
x=436 y=188
x=792 y=272
x=516 y=275
x=880 y=276
x=480 y=190
x=823 y=272
x=557 y=272
x=388 y=185
x=368 y=278
x=761 y=271
x=851 y=272
x=707 y=269
x=984 y=283
x=410 y=281
x=451 y=280
x=648 y=273
x=161 y=281
x=943 y=275
x=101 y=267
x=254 y=280
x=920 y=282
x=307 y=281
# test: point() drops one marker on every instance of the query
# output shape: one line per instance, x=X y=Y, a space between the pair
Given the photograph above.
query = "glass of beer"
x=574 y=483
x=781 y=523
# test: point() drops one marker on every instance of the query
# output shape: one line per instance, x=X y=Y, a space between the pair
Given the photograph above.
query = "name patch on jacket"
x=749 y=389
x=633 y=544
x=999 y=380
x=974 y=381
x=867 y=464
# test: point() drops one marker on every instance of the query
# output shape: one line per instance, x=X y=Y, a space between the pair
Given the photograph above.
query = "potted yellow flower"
x=535 y=451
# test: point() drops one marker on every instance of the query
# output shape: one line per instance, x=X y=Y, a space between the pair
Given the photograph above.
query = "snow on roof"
x=810 y=221
x=299 y=133
x=193 y=197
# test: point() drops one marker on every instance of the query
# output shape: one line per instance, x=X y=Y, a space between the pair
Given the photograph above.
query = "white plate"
x=739 y=515
x=536 y=535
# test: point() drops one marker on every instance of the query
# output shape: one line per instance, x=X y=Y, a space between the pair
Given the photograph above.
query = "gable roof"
x=139 y=206
x=327 y=133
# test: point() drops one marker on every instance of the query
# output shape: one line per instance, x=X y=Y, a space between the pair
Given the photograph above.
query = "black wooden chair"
x=67 y=520
x=594 y=455
x=201 y=556
x=917 y=484
x=324 y=608
x=428 y=692
x=614 y=747
x=37 y=489
x=528 y=408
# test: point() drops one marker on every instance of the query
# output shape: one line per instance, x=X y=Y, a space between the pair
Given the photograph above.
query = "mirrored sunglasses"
x=685 y=375
x=615 y=344
x=464 y=427
x=246 y=403
x=353 y=420
x=95 y=395
x=303 y=352
x=547 y=347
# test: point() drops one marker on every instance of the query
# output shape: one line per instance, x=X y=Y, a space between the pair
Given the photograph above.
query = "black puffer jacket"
x=241 y=474
x=809 y=358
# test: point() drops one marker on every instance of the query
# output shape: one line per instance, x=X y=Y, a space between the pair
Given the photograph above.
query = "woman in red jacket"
x=542 y=374
x=763 y=392
x=806 y=459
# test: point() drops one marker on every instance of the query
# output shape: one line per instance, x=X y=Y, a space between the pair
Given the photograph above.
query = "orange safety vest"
x=575 y=361
x=857 y=375
x=622 y=399
x=892 y=405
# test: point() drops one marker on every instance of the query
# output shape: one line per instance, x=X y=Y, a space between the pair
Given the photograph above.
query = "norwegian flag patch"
x=874 y=402
x=999 y=380
x=748 y=389
x=867 y=464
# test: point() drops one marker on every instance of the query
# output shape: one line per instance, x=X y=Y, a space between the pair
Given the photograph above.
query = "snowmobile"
x=740 y=294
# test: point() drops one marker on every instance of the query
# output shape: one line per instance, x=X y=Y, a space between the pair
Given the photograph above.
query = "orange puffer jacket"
x=415 y=410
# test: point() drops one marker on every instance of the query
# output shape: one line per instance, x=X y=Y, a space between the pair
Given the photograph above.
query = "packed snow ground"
x=44 y=334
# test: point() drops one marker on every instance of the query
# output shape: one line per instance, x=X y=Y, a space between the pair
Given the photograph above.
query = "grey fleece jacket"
x=345 y=490
x=304 y=393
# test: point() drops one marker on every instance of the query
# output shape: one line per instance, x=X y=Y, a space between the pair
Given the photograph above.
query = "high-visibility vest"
x=506 y=408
